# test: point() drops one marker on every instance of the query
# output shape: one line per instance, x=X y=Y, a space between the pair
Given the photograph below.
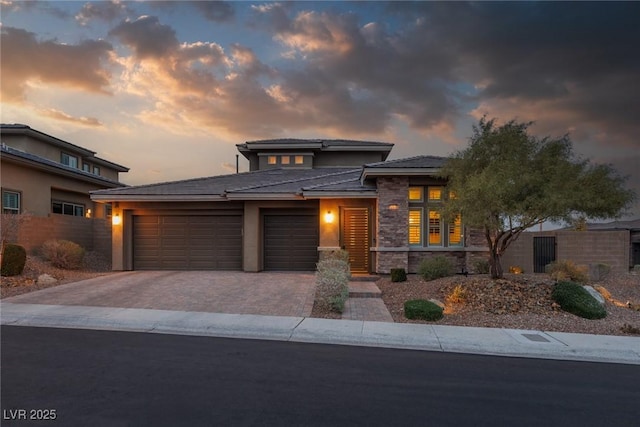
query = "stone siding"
x=392 y=224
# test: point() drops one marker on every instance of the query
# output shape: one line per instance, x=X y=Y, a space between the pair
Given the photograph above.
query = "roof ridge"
x=290 y=181
x=404 y=159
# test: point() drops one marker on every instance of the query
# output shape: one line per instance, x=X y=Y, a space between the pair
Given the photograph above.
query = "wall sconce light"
x=88 y=214
x=116 y=220
x=329 y=217
x=393 y=207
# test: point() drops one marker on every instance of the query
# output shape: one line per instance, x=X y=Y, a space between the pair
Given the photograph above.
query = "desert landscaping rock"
x=595 y=294
x=46 y=279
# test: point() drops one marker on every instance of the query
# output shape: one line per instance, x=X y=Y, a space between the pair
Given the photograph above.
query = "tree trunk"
x=495 y=265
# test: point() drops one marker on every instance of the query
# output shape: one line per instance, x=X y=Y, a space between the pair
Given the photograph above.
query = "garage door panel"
x=290 y=242
x=208 y=242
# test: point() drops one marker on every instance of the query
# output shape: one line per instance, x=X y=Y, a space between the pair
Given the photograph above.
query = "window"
x=415 y=226
x=455 y=232
x=435 y=193
x=299 y=160
x=108 y=210
x=427 y=227
x=96 y=170
x=65 y=208
x=284 y=160
x=10 y=202
x=415 y=194
x=435 y=228
x=69 y=160
x=86 y=167
x=272 y=160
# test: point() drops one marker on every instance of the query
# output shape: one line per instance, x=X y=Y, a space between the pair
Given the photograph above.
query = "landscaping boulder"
x=46 y=279
x=597 y=295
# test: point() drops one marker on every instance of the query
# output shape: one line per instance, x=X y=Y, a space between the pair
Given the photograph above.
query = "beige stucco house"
x=47 y=177
x=300 y=199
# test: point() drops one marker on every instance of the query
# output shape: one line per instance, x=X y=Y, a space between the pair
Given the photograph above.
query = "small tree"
x=507 y=181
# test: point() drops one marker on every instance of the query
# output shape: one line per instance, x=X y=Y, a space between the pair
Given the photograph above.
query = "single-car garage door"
x=180 y=242
x=290 y=242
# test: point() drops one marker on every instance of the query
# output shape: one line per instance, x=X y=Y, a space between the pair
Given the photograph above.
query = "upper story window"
x=10 y=202
x=299 y=160
x=69 y=160
x=86 y=167
x=284 y=160
x=96 y=170
x=272 y=160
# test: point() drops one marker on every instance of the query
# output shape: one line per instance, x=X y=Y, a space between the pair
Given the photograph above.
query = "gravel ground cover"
x=517 y=301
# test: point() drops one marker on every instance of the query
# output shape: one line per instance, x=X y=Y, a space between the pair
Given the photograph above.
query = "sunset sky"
x=169 y=88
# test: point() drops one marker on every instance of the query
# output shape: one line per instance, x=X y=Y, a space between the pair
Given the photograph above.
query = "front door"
x=355 y=238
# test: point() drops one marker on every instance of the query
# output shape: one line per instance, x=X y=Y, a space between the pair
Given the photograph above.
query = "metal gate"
x=544 y=252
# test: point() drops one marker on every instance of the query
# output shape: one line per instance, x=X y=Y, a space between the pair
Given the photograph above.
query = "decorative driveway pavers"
x=264 y=293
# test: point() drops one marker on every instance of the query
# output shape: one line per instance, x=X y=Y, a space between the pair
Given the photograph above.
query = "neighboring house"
x=300 y=199
x=44 y=177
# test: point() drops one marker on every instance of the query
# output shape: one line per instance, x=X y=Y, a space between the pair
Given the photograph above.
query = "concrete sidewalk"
x=501 y=342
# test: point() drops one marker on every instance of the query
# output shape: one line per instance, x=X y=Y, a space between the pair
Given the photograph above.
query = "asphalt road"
x=104 y=378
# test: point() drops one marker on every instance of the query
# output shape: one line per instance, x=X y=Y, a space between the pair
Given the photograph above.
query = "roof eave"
x=156 y=198
x=375 y=172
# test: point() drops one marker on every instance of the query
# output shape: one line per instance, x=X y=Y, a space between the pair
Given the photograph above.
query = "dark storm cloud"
x=146 y=36
x=24 y=58
x=433 y=60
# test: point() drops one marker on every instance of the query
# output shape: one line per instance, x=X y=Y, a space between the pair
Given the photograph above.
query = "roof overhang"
x=60 y=170
x=105 y=198
x=340 y=194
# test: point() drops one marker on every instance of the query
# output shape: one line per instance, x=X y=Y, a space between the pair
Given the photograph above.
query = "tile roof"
x=411 y=162
x=324 y=142
x=50 y=163
x=270 y=181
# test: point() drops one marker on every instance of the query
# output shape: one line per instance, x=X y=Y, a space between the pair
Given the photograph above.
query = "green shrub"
x=332 y=283
x=398 y=275
x=422 y=309
x=14 y=257
x=574 y=299
x=63 y=254
x=434 y=268
x=562 y=271
x=481 y=266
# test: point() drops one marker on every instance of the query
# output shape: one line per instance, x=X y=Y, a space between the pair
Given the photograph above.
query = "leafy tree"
x=507 y=181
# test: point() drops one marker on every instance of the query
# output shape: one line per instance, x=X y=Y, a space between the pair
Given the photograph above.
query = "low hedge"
x=573 y=298
x=422 y=309
x=14 y=257
x=398 y=275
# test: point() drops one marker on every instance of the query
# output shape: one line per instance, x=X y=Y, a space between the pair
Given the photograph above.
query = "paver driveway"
x=265 y=293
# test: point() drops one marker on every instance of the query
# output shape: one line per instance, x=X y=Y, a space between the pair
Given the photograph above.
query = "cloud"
x=107 y=11
x=82 y=66
x=217 y=11
x=62 y=116
x=9 y=6
x=146 y=36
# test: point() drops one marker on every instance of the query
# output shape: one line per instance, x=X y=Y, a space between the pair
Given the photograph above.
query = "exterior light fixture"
x=393 y=207
x=116 y=220
x=329 y=217
x=88 y=214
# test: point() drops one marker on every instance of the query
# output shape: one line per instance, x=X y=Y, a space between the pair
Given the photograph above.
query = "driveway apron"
x=265 y=293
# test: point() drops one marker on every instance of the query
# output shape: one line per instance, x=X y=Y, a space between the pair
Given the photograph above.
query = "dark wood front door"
x=355 y=238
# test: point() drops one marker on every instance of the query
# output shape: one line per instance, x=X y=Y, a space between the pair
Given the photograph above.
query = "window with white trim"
x=10 y=202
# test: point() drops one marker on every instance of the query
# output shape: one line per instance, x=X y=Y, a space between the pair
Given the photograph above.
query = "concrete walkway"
x=502 y=342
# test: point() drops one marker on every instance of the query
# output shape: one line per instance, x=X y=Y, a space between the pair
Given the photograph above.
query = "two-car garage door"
x=214 y=242
x=182 y=242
